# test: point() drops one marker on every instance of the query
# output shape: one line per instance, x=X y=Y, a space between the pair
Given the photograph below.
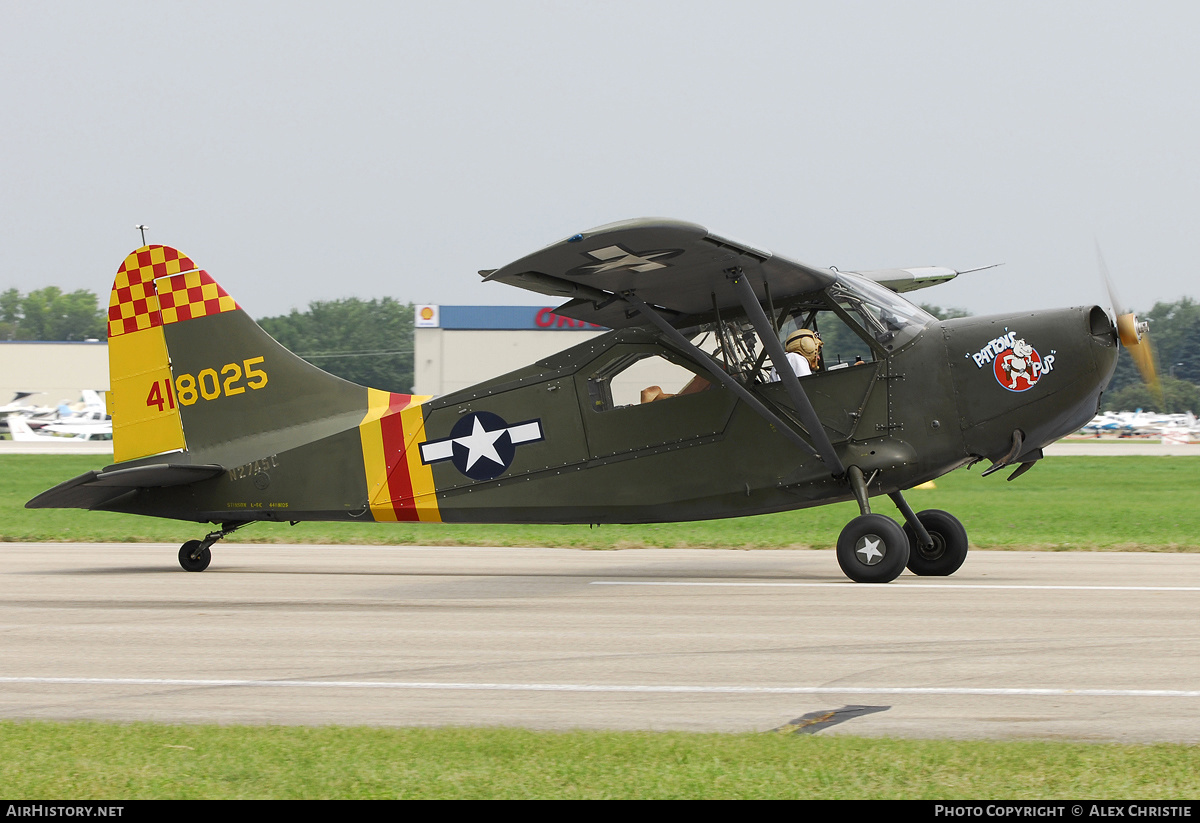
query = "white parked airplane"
x=68 y=432
x=1140 y=422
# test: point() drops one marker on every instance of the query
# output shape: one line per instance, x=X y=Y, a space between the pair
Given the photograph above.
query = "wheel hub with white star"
x=870 y=549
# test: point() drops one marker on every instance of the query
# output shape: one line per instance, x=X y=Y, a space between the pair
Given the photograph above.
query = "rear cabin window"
x=636 y=378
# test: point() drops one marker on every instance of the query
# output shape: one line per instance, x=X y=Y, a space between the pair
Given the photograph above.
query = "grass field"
x=144 y=761
x=1064 y=503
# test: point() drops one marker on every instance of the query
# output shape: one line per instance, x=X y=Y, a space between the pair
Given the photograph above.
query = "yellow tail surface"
x=155 y=286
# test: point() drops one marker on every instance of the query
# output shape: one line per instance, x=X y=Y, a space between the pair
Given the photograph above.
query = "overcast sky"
x=306 y=151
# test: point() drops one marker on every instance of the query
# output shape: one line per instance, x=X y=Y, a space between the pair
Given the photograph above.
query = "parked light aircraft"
x=57 y=432
x=92 y=422
x=1125 y=423
x=37 y=416
x=214 y=421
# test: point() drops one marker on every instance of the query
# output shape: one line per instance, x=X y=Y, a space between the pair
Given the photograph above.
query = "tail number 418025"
x=208 y=384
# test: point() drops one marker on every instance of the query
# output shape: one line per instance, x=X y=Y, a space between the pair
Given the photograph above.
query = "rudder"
x=145 y=415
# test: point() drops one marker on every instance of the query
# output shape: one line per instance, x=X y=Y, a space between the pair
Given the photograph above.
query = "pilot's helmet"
x=806 y=343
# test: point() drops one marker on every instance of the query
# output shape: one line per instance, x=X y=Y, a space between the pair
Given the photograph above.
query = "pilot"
x=803 y=349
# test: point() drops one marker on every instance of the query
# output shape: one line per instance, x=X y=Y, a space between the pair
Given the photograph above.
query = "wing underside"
x=682 y=268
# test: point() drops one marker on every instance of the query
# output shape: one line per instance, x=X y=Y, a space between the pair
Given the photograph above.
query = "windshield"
x=886 y=316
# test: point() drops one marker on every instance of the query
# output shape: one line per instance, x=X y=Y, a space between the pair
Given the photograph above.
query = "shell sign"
x=426 y=316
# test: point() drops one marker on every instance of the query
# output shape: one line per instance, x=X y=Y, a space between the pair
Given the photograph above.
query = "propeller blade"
x=1143 y=357
x=1133 y=334
x=1115 y=306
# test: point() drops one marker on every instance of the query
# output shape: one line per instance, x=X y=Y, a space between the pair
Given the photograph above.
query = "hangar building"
x=55 y=371
x=459 y=346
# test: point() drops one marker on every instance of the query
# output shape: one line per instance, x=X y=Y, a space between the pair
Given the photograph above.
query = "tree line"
x=370 y=342
x=51 y=314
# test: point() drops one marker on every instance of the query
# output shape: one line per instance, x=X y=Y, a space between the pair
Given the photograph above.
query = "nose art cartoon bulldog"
x=1018 y=363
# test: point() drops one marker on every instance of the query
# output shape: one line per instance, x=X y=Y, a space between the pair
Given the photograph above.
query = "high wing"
x=672 y=274
x=681 y=268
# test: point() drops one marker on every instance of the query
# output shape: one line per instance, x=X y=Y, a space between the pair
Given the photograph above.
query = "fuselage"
x=551 y=443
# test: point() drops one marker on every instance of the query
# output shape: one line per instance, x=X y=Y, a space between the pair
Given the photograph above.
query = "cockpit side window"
x=857 y=320
x=890 y=319
x=841 y=346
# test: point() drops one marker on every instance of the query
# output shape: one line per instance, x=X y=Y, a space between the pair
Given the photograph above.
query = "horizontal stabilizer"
x=95 y=488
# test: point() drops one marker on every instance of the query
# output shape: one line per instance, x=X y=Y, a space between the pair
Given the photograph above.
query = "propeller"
x=1132 y=332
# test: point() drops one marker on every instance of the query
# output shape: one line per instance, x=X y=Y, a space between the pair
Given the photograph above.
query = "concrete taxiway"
x=1078 y=646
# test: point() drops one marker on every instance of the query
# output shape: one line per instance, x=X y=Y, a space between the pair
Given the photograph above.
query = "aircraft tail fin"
x=93 y=402
x=191 y=372
x=19 y=429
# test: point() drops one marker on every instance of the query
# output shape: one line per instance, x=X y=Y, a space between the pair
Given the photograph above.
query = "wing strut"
x=766 y=333
x=720 y=374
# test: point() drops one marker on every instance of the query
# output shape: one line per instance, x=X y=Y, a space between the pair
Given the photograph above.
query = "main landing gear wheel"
x=194 y=556
x=872 y=549
x=949 y=548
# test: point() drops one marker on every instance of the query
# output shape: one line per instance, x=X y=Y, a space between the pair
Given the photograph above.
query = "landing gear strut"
x=947 y=548
x=195 y=555
x=875 y=549
x=937 y=541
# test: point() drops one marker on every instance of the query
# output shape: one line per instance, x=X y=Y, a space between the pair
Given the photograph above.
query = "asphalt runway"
x=1068 y=646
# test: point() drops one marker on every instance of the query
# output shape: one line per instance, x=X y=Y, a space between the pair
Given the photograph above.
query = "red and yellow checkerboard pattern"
x=191 y=295
x=133 y=303
x=181 y=292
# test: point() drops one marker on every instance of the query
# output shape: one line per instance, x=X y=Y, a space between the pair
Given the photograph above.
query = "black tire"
x=872 y=549
x=949 y=544
x=200 y=562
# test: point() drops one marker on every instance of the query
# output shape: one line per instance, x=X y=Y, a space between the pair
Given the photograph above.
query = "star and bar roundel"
x=618 y=258
x=482 y=445
x=399 y=477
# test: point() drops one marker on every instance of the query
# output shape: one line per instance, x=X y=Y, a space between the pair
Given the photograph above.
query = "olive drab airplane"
x=213 y=421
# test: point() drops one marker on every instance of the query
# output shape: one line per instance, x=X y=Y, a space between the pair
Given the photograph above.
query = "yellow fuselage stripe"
x=399 y=485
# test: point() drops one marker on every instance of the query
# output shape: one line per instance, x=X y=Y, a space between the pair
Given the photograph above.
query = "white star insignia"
x=481 y=443
x=870 y=550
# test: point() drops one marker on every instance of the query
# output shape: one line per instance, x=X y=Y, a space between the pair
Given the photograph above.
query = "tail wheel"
x=949 y=548
x=194 y=556
x=872 y=549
